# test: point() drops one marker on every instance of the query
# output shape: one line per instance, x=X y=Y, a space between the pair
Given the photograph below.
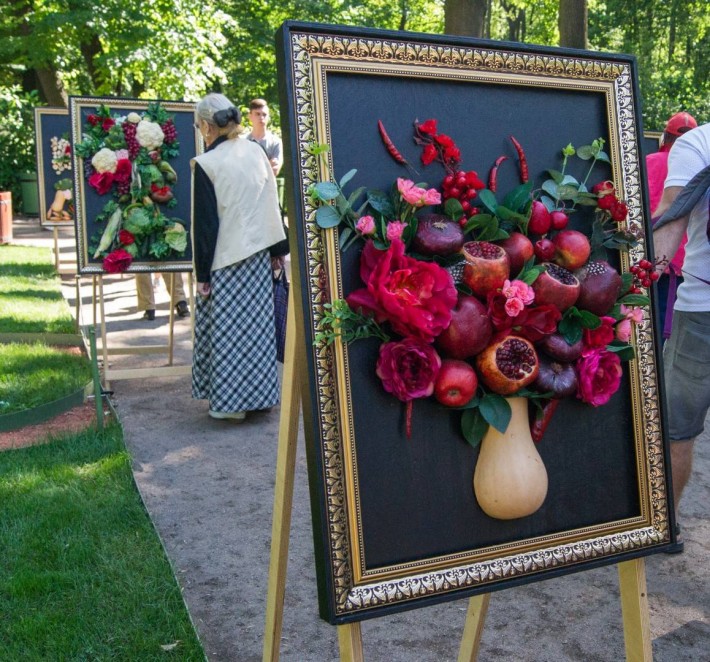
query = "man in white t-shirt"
x=270 y=142
x=687 y=353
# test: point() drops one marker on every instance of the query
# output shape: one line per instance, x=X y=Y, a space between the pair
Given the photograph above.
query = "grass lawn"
x=82 y=573
x=30 y=294
x=33 y=374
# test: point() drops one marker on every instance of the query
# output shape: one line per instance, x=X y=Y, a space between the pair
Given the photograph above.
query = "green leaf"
x=570 y=328
x=556 y=175
x=355 y=195
x=589 y=320
x=550 y=187
x=518 y=197
x=380 y=202
x=585 y=152
x=496 y=410
x=624 y=351
x=549 y=203
x=473 y=426
x=635 y=300
x=347 y=177
x=327 y=217
x=488 y=200
x=603 y=156
x=453 y=209
x=567 y=192
x=327 y=190
x=489 y=231
x=529 y=275
x=506 y=214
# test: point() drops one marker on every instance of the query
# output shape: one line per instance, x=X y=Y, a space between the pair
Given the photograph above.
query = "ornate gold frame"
x=357 y=591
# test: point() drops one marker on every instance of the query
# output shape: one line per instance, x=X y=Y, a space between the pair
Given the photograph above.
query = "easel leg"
x=104 y=341
x=634 y=609
x=283 y=490
x=350 y=642
x=171 y=330
x=56 y=248
x=473 y=628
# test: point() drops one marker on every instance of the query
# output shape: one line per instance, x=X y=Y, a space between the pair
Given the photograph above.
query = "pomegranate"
x=540 y=221
x=600 y=287
x=556 y=347
x=559 y=220
x=557 y=286
x=470 y=329
x=487 y=267
x=508 y=364
x=572 y=249
x=437 y=235
x=557 y=378
x=519 y=249
x=544 y=250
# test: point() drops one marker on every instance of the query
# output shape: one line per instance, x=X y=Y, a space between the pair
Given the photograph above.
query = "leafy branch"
x=341 y=321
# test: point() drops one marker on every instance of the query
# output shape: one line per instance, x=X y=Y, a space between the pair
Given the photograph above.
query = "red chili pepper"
x=523 y=160
x=542 y=420
x=493 y=176
x=408 y=418
x=391 y=149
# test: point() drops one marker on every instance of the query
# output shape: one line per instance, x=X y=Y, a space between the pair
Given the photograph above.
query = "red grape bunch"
x=129 y=133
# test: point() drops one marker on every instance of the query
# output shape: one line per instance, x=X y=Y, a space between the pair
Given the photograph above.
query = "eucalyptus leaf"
x=488 y=200
x=496 y=410
x=473 y=426
x=568 y=179
x=603 y=156
x=556 y=175
x=567 y=192
x=347 y=177
x=380 y=202
x=352 y=198
x=327 y=190
x=585 y=152
x=549 y=203
x=550 y=187
x=327 y=217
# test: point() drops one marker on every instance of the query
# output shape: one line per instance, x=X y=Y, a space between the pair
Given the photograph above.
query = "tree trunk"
x=51 y=87
x=572 y=23
x=403 y=15
x=465 y=17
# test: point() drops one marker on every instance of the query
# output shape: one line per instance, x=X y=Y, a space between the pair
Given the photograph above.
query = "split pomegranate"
x=600 y=285
x=556 y=285
x=437 y=235
x=487 y=267
x=508 y=364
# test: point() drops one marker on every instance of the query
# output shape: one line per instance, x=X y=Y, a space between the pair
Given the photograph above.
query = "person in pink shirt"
x=657 y=170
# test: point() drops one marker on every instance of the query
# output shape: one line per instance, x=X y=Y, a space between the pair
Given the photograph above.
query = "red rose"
x=607 y=202
x=102 y=182
x=126 y=237
x=599 y=373
x=429 y=154
x=537 y=322
x=619 y=212
x=93 y=120
x=603 y=188
x=123 y=171
x=602 y=335
x=415 y=297
x=428 y=127
x=408 y=368
x=107 y=123
x=117 y=261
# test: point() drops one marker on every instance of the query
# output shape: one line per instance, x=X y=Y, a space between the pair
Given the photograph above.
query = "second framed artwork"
x=483 y=401
x=132 y=184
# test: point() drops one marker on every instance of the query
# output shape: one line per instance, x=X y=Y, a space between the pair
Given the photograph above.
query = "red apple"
x=456 y=384
x=559 y=220
x=470 y=329
x=519 y=249
x=572 y=249
x=539 y=222
x=544 y=250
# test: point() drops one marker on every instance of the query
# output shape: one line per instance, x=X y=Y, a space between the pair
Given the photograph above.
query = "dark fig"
x=600 y=287
x=437 y=235
x=557 y=378
x=556 y=347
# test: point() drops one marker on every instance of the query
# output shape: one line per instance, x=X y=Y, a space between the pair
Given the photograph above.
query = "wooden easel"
x=632 y=574
x=63 y=267
x=99 y=316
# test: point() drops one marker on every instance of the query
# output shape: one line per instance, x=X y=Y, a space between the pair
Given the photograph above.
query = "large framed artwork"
x=132 y=183
x=54 y=167
x=482 y=392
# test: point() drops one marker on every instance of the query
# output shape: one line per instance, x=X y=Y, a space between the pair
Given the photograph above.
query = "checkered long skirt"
x=234 y=354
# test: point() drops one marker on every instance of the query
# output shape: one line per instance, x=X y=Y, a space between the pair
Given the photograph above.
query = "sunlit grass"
x=30 y=294
x=34 y=374
x=83 y=575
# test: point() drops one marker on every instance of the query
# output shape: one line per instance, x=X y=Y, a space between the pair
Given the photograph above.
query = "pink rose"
x=599 y=373
x=117 y=261
x=102 y=182
x=408 y=368
x=631 y=316
x=415 y=297
x=602 y=335
x=395 y=230
x=415 y=196
x=366 y=225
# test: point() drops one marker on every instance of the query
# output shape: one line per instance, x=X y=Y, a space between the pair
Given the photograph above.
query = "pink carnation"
x=518 y=295
x=415 y=196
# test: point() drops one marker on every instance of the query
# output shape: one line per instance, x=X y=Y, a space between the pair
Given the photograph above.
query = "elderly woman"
x=236 y=219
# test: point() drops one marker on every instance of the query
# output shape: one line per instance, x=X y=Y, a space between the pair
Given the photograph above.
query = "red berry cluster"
x=464 y=187
x=644 y=274
x=129 y=133
x=169 y=131
x=609 y=202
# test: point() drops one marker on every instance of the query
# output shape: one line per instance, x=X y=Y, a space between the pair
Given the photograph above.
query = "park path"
x=208 y=487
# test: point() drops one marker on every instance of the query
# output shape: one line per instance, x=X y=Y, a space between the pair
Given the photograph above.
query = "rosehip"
x=466 y=205
x=471 y=193
x=646 y=282
x=448 y=181
x=655 y=275
x=454 y=192
x=642 y=273
x=645 y=264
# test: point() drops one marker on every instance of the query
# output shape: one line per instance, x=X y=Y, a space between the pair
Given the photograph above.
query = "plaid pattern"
x=234 y=354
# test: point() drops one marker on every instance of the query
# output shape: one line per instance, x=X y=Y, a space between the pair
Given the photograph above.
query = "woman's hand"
x=203 y=289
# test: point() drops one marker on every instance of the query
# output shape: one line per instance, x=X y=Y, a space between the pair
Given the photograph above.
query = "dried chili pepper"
x=542 y=420
x=391 y=149
x=493 y=175
x=522 y=158
x=408 y=418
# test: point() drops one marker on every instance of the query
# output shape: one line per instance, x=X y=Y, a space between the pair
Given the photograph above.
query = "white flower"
x=149 y=134
x=133 y=118
x=104 y=160
x=121 y=154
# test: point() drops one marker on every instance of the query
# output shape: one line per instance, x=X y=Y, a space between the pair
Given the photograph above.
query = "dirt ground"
x=208 y=486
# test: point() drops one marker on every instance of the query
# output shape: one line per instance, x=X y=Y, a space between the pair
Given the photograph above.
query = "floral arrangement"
x=477 y=296
x=61 y=154
x=127 y=157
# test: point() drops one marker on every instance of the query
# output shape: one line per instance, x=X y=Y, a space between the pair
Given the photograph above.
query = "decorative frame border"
x=76 y=105
x=352 y=593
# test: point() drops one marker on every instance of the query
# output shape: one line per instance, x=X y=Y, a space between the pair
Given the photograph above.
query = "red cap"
x=680 y=123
